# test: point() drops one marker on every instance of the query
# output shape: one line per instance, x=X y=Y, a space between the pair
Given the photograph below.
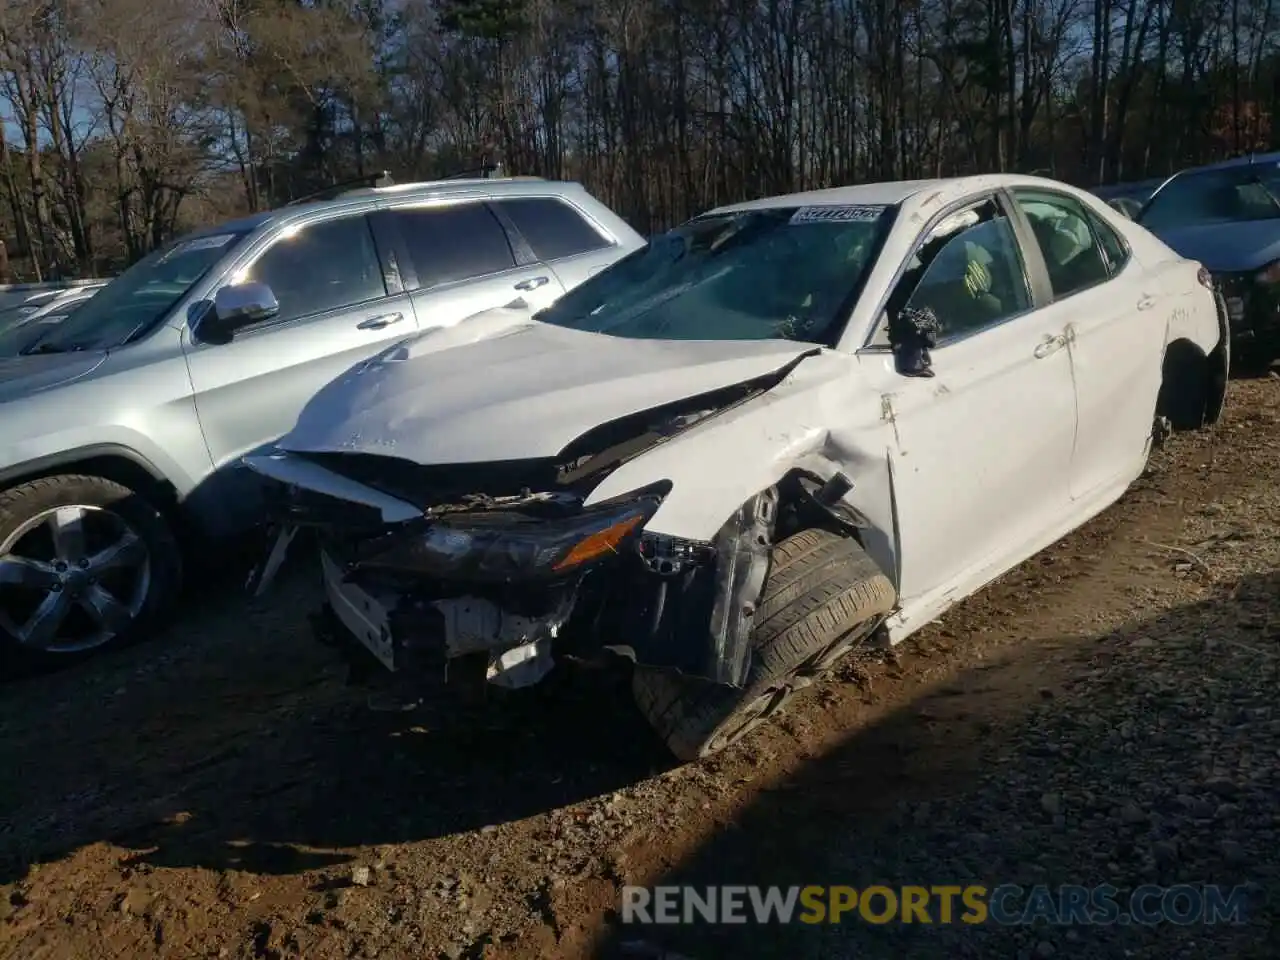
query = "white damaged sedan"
x=775 y=432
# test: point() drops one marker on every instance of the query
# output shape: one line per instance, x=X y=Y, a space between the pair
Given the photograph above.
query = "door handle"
x=1050 y=345
x=1146 y=303
x=533 y=283
x=377 y=323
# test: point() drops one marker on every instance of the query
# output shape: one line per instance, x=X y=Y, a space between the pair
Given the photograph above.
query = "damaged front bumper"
x=508 y=584
x=518 y=648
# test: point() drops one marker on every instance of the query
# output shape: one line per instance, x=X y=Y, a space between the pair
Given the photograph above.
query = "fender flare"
x=54 y=462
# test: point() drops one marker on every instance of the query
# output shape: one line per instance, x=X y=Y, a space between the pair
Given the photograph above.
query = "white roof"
x=892 y=192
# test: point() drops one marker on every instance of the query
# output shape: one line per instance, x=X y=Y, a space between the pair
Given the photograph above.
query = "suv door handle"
x=1147 y=302
x=1050 y=345
x=533 y=283
x=377 y=323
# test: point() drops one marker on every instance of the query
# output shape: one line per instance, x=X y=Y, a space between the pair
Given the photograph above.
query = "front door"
x=981 y=451
x=335 y=310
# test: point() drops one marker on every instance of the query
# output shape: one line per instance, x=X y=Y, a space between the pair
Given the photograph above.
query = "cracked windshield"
x=788 y=272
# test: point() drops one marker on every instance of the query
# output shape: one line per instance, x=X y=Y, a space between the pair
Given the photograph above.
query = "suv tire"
x=85 y=564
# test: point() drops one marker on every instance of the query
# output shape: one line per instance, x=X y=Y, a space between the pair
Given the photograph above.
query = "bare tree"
x=127 y=121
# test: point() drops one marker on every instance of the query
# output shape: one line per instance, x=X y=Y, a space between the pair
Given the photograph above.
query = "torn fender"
x=821 y=419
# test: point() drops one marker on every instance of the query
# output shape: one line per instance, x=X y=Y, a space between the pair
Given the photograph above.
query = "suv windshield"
x=136 y=300
x=781 y=272
x=1229 y=195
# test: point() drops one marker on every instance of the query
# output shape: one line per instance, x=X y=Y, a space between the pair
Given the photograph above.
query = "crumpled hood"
x=524 y=392
x=1228 y=247
x=22 y=376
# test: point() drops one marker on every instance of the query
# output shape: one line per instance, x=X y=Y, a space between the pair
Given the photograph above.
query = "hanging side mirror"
x=912 y=332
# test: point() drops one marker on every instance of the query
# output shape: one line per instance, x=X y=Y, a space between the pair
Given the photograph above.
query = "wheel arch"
x=1192 y=384
x=111 y=461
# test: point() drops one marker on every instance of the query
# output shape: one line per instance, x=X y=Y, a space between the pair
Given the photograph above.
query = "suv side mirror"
x=237 y=306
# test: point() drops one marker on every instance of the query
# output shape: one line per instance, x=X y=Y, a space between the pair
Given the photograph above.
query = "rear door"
x=460 y=260
x=1115 y=316
x=559 y=234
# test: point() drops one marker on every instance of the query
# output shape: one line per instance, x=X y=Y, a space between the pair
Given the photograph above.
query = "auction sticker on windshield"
x=843 y=213
x=201 y=243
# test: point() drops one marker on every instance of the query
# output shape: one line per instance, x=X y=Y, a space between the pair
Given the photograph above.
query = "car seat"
x=1066 y=257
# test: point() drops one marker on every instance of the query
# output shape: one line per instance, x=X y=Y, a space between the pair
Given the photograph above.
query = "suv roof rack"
x=486 y=171
x=384 y=181
x=374 y=180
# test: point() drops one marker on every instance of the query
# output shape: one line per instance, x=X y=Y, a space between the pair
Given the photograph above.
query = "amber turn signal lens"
x=598 y=544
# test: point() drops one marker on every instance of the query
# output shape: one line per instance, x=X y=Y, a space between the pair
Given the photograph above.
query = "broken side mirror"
x=235 y=307
x=912 y=332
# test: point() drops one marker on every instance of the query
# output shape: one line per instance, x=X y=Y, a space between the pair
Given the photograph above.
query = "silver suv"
x=122 y=428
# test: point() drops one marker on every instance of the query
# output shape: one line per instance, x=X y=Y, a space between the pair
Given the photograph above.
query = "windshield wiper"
x=47 y=347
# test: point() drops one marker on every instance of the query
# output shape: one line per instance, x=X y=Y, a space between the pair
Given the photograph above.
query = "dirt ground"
x=1104 y=712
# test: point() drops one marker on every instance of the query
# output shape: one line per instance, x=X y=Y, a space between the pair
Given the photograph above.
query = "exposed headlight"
x=502 y=546
x=1268 y=275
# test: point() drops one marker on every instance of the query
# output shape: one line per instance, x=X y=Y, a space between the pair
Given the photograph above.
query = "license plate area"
x=365 y=615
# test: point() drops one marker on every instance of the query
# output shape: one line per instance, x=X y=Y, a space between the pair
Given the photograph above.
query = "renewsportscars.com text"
x=1005 y=904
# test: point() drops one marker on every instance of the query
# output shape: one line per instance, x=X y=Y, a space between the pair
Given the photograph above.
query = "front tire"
x=824 y=595
x=85 y=564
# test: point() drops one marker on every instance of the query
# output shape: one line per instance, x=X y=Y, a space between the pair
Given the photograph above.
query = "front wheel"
x=824 y=596
x=85 y=564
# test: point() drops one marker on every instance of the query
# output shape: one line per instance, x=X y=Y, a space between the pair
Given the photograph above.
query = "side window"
x=324 y=266
x=458 y=241
x=553 y=228
x=1112 y=245
x=969 y=272
x=1071 y=252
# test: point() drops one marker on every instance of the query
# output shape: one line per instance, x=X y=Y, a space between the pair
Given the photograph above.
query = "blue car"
x=1227 y=216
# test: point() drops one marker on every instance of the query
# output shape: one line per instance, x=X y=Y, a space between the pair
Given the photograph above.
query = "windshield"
x=785 y=272
x=1229 y=195
x=136 y=300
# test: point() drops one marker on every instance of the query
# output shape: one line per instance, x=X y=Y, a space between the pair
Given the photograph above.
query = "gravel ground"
x=1103 y=714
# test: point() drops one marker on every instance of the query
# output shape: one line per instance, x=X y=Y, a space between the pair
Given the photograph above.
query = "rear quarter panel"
x=1191 y=312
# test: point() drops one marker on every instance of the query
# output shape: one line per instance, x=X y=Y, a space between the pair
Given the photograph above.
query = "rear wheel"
x=85 y=564
x=823 y=597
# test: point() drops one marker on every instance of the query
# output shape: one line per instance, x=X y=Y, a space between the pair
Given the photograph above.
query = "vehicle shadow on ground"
x=235 y=743
x=1086 y=766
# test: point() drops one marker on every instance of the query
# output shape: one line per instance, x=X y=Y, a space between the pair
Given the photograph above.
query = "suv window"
x=324 y=266
x=977 y=278
x=1071 y=251
x=1112 y=244
x=553 y=228
x=458 y=241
